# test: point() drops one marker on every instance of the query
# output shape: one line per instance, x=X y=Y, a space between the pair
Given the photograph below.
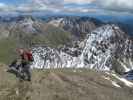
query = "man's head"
x=20 y=50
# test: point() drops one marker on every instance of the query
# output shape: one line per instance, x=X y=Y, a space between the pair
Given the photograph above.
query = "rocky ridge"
x=106 y=48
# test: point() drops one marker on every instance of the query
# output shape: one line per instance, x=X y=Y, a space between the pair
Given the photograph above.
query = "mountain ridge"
x=107 y=43
x=67 y=84
x=57 y=35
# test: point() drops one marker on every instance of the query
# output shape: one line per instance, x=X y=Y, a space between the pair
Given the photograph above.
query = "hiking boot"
x=29 y=79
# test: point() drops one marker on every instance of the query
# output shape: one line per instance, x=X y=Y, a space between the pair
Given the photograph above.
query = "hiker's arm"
x=25 y=58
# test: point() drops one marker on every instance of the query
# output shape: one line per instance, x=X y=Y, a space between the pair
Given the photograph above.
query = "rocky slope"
x=78 y=26
x=29 y=25
x=28 y=30
x=106 y=48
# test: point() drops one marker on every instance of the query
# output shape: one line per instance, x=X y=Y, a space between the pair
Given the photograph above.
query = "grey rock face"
x=106 y=48
x=78 y=26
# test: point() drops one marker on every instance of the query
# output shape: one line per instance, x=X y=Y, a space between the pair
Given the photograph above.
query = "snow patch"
x=74 y=71
x=102 y=47
x=113 y=82
x=126 y=82
x=124 y=66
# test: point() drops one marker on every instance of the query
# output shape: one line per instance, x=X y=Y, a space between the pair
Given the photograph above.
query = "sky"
x=68 y=6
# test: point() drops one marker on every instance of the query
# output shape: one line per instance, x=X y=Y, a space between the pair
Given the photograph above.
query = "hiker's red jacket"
x=27 y=56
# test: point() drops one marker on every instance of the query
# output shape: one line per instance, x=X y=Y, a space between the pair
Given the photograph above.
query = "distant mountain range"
x=69 y=41
x=36 y=31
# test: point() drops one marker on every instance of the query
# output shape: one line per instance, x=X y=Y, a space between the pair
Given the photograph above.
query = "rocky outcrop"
x=78 y=26
x=106 y=48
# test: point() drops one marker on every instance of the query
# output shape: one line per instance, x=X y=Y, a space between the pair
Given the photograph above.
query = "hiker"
x=26 y=59
x=21 y=66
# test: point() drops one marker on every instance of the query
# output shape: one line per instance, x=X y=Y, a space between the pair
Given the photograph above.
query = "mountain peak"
x=105 y=48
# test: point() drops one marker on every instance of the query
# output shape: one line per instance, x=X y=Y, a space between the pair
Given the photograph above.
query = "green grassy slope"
x=7 y=50
x=51 y=36
x=61 y=84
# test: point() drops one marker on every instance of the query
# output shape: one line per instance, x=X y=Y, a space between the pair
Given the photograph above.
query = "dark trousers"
x=26 y=70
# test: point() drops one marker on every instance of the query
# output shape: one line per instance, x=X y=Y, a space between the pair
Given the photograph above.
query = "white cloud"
x=60 y=2
x=48 y=2
x=34 y=5
x=42 y=5
x=79 y=10
x=5 y=7
x=117 y=5
x=2 y=5
x=30 y=7
x=113 y=5
x=79 y=1
x=59 y=5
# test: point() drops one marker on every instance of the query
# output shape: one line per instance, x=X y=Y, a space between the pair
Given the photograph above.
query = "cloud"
x=48 y=2
x=116 y=5
x=6 y=8
x=2 y=6
x=59 y=5
x=42 y=5
x=22 y=7
x=76 y=6
x=33 y=5
x=79 y=1
x=81 y=10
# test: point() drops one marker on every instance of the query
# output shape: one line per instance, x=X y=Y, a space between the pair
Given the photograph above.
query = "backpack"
x=30 y=56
